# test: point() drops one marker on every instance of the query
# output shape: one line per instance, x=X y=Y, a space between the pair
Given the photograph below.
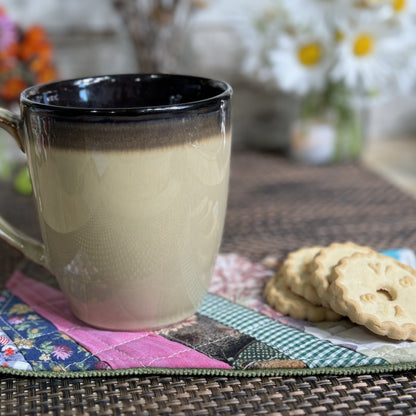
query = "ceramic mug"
x=130 y=178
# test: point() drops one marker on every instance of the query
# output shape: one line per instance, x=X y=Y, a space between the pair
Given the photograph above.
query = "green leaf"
x=22 y=182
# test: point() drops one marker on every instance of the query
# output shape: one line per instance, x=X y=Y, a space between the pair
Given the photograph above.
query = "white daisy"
x=365 y=55
x=397 y=11
x=402 y=11
x=258 y=30
x=300 y=62
x=318 y=15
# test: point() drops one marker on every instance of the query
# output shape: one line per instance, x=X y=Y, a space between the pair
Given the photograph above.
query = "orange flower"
x=41 y=59
x=11 y=88
x=8 y=61
x=25 y=60
x=35 y=35
x=46 y=74
x=33 y=40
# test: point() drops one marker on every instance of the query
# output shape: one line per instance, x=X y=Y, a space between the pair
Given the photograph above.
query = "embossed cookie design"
x=376 y=291
x=323 y=263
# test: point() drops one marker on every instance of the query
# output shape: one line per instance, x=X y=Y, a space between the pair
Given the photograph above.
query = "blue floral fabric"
x=30 y=342
x=10 y=356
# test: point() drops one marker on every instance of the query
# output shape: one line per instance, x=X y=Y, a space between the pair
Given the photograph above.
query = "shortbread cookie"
x=282 y=299
x=296 y=273
x=323 y=263
x=376 y=291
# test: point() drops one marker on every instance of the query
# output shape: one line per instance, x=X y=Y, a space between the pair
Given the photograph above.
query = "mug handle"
x=31 y=248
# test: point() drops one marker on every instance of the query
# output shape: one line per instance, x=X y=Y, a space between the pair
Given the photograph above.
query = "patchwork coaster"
x=234 y=331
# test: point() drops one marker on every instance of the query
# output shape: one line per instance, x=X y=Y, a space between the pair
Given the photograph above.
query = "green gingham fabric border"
x=292 y=342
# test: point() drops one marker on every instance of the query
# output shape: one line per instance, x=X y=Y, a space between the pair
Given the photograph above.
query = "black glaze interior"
x=128 y=91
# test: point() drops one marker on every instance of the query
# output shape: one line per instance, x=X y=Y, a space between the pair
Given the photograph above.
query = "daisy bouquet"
x=337 y=56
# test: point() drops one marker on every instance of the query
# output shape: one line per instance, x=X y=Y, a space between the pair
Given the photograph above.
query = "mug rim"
x=26 y=97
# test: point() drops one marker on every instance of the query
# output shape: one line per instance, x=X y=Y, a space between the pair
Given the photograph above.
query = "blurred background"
x=321 y=82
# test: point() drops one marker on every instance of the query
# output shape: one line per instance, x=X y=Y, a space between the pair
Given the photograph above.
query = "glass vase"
x=329 y=131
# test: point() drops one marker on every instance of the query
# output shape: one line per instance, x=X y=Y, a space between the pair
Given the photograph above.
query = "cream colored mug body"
x=130 y=177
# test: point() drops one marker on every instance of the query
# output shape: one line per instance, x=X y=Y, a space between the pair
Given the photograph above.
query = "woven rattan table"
x=274 y=206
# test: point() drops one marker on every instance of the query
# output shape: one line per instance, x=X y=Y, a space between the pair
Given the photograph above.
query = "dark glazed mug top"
x=127 y=111
x=126 y=94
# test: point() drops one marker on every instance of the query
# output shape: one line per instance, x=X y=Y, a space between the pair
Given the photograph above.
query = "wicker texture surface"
x=332 y=396
x=274 y=206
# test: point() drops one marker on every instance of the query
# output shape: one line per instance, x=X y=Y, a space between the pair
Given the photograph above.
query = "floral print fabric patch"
x=30 y=342
x=10 y=356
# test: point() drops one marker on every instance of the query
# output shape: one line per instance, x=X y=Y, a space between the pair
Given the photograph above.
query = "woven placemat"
x=389 y=394
x=275 y=206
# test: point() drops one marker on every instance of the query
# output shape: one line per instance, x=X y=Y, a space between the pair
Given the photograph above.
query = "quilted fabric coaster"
x=233 y=330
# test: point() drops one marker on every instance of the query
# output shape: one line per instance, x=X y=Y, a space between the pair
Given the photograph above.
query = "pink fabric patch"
x=118 y=349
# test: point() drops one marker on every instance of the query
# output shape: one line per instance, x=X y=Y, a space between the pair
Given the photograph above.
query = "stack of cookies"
x=347 y=280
